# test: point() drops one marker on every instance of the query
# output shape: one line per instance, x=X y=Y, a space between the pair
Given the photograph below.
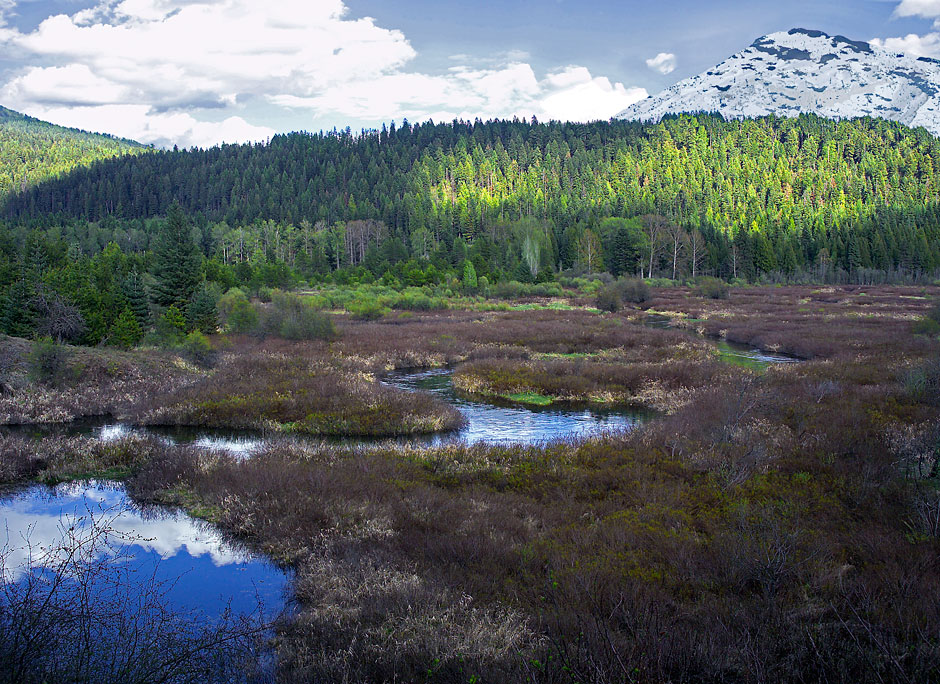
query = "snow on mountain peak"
x=804 y=71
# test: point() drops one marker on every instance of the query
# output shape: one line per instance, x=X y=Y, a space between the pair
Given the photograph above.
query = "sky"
x=204 y=72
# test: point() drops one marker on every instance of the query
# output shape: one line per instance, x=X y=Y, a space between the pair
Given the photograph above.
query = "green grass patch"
x=530 y=398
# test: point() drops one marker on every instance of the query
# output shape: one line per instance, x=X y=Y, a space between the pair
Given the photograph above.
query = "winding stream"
x=486 y=423
x=202 y=573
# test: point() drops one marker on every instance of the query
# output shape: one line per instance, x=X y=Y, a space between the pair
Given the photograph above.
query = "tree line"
x=745 y=197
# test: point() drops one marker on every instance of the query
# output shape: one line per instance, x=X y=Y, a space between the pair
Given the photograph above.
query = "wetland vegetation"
x=772 y=523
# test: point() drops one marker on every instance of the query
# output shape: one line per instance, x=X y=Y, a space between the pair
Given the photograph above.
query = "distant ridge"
x=807 y=71
x=32 y=150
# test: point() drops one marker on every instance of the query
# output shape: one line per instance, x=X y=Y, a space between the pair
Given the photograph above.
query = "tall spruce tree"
x=17 y=316
x=203 y=311
x=135 y=292
x=177 y=262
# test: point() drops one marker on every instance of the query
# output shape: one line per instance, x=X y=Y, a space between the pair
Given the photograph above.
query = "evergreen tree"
x=469 y=276
x=176 y=262
x=764 y=259
x=138 y=302
x=203 y=311
x=126 y=331
x=17 y=319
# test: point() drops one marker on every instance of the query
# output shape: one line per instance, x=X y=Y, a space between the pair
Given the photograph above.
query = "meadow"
x=775 y=524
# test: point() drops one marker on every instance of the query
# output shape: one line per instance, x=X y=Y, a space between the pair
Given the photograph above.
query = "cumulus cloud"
x=927 y=45
x=570 y=94
x=664 y=63
x=929 y=9
x=181 y=71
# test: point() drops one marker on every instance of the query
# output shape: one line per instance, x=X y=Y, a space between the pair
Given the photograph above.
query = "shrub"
x=923 y=382
x=507 y=290
x=236 y=312
x=196 y=348
x=608 y=299
x=293 y=318
x=711 y=288
x=366 y=310
x=47 y=362
x=633 y=290
x=934 y=313
x=170 y=328
x=926 y=326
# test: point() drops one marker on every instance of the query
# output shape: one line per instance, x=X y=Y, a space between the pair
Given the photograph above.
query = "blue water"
x=494 y=423
x=486 y=423
x=196 y=570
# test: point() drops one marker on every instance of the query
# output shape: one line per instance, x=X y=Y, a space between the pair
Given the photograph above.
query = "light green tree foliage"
x=469 y=276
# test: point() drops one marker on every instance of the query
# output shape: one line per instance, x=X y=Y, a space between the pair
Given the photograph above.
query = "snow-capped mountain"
x=803 y=71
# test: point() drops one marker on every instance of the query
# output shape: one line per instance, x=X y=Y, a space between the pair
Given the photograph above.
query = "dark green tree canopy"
x=177 y=262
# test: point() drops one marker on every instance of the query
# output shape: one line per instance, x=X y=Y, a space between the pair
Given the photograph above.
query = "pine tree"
x=135 y=293
x=177 y=262
x=17 y=318
x=469 y=276
x=203 y=311
x=37 y=259
x=126 y=331
x=764 y=259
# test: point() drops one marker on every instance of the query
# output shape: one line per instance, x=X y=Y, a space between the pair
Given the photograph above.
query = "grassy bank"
x=664 y=386
x=273 y=392
x=82 y=381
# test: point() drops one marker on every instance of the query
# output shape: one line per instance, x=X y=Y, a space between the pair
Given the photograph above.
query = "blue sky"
x=198 y=72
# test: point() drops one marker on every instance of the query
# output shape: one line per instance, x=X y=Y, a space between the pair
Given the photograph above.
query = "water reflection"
x=492 y=423
x=201 y=571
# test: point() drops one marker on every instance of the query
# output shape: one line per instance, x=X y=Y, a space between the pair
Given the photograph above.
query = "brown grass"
x=96 y=382
x=279 y=393
x=664 y=386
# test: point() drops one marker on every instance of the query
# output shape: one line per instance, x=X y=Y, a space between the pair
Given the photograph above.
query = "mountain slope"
x=32 y=150
x=803 y=71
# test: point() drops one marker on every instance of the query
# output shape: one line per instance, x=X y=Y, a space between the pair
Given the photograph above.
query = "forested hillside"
x=32 y=151
x=760 y=195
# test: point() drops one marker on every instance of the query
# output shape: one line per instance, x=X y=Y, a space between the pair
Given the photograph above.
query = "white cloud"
x=571 y=94
x=575 y=95
x=927 y=45
x=929 y=9
x=139 y=122
x=154 y=70
x=664 y=63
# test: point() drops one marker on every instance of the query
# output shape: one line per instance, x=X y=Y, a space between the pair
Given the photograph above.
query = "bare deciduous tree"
x=696 y=245
x=56 y=318
x=654 y=227
x=359 y=235
x=677 y=237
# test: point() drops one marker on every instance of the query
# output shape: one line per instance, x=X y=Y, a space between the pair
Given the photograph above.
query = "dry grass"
x=96 y=382
x=280 y=393
x=665 y=386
